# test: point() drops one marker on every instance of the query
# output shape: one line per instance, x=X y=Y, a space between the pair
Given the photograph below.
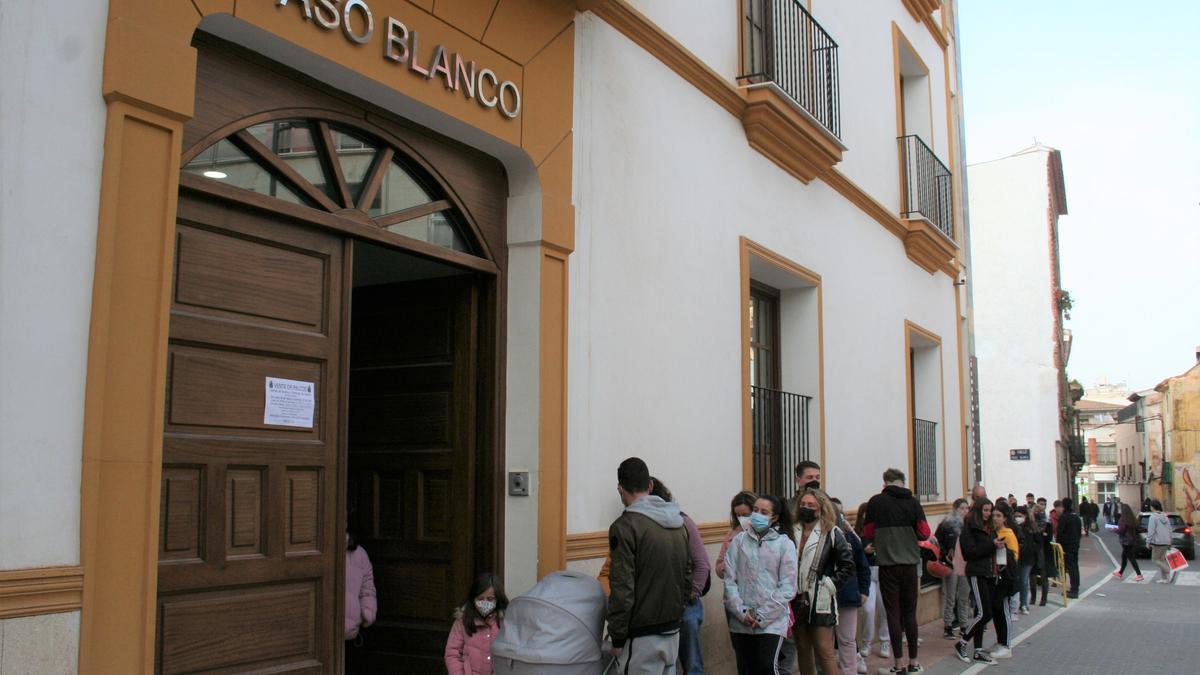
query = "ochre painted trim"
x=637 y=27
x=926 y=246
x=748 y=249
x=41 y=590
x=149 y=85
x=793 y=141
x=645 y=33
x=909 y=329
x=594 y=545
x=937 y=508
x=963 y=386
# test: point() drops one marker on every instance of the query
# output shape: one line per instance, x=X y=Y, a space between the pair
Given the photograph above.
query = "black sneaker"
x=963 y=650
x=948 y=633
x=983 y=657
x=915 y=668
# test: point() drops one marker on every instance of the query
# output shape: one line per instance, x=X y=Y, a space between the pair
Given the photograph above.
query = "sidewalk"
x=937 y=653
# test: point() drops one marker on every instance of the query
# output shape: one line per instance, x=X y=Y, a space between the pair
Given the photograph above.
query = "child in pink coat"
x=476 y=624
x=360 y=594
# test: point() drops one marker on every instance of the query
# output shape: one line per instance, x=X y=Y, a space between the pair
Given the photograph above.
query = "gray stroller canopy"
x=560 y=621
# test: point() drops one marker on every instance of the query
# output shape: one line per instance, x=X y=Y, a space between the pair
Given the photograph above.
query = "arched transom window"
x=336 y=169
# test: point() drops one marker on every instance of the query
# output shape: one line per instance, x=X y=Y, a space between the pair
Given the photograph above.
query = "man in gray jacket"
x=650 y=576
x=1158 y=538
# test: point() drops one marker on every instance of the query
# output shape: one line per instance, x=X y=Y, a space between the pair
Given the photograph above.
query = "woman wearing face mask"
x=760 y=581
x=826 y=564
x=740 y=507
x=1029 y=536
x=476 y=624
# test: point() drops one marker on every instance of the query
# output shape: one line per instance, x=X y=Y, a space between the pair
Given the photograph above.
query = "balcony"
x=780 y=438
x=927 y=188
x=790 y=72
x=786 y=46
x=925 y=474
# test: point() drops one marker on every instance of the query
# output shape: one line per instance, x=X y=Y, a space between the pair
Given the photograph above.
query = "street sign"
x=1019 y=454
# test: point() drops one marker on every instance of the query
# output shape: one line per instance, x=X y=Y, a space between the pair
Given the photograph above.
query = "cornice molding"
x=928 y=247
x=772 y=127
x=785 y=136
x=43 y=590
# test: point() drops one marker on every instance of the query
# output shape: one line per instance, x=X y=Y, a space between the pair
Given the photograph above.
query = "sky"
x=1118 y=93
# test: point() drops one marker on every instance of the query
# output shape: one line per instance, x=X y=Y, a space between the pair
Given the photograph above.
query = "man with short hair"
x=893 y=524
x=1029 y=503
x=650 y=576
x=1069 y=526
x=808 y=475
x=978 y=492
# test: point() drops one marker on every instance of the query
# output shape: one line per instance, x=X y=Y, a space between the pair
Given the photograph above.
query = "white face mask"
x=485 y=607
x=1020 y=520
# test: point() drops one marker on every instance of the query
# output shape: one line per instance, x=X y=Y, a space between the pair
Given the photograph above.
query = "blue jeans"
x=689 y=637
x=1024 y=571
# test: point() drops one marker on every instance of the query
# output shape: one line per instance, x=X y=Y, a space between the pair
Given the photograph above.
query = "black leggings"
x=757 y=654
x=1127 y=555
x=990 y=599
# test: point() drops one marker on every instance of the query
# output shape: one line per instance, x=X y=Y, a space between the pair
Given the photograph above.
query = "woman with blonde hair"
x=826 y=563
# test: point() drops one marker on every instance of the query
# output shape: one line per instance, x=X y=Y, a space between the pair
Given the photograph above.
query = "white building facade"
x=646 y=232
x=1015 y=205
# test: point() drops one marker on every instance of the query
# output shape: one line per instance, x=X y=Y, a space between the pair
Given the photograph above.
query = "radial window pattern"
x=328 y=167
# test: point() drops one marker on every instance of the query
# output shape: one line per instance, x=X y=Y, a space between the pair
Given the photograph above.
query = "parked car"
x=1181 y=536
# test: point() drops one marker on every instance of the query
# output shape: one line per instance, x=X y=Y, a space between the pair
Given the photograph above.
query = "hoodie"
x=650 y=577
x=894 y=522
x=1158 y=531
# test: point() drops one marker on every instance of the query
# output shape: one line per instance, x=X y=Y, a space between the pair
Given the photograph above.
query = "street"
x=1115 y=626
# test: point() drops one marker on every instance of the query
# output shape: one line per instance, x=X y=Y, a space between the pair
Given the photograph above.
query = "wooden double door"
x=274 y=361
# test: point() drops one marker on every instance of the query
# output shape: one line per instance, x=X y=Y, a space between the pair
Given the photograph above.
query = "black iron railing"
x=780 y=432
x=925 y=478
x=785 y=45
x=927 y=189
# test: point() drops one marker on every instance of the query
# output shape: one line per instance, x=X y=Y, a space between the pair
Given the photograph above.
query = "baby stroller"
x=554 y=628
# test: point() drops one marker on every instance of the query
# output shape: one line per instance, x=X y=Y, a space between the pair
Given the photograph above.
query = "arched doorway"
x=332 y=361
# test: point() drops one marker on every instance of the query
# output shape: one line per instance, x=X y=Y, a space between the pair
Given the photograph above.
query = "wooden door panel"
x=247 y=576
x=244 y=629
x=411 y=448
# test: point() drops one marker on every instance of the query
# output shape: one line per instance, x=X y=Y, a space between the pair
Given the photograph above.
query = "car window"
x=1145 y=522
x=1176 y=522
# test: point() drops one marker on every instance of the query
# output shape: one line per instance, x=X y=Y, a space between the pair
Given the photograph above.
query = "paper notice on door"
x=289 y=403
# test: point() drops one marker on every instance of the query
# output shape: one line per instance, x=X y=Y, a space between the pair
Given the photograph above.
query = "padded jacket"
x=859 y=583
x=760 y=574
x=651 y=573
x=895 y=522
x=979 y=550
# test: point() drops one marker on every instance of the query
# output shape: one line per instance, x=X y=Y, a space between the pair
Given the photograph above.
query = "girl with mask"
x=360 y=596
x=476 y=624
x=760 y=582
x=1029 y=535
x=826 y=563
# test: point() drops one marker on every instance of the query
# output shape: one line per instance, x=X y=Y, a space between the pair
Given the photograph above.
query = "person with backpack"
x=1127 y=531
x=825 y=564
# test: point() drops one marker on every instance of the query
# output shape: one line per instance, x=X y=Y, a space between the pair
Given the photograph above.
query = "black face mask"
x=806 y=514
x=813 y=484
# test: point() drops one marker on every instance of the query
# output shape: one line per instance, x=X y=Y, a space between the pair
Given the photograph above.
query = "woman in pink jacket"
x=360 y=594
x=476 y=623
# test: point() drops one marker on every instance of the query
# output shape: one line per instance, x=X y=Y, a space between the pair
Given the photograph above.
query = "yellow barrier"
x=1060 y=566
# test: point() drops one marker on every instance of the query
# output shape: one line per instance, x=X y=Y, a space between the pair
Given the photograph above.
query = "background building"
x=430 y=271
x=1020 y=344
x=1179 y=472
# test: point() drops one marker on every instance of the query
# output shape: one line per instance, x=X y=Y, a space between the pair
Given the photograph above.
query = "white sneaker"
x=885 y=650
x=862 y=665
x=1000 y=652
x=865 y=651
